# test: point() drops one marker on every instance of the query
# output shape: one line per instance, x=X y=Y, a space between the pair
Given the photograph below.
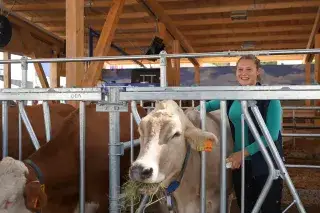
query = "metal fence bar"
x=4 y=129
x=24 y=80
x=223 y=157
x=243 y=164
x=131 y=153
x=277 y=157
x=272 y=172
x=114 y=153
x=302 y=166
x=185 y=55
x=82 y=120
x=299 y=135
x=203 y=195
x=47 y=121
x=300 y=107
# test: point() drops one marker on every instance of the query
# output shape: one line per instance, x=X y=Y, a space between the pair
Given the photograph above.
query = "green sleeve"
x=273 y=122
x=211 y=105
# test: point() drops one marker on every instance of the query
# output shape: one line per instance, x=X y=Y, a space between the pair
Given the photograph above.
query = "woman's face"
x=247 y=72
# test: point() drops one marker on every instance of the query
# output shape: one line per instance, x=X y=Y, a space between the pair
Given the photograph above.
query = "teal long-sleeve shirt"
x=273 y=122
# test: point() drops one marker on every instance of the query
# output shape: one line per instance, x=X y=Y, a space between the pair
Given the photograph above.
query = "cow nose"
x=139 y=173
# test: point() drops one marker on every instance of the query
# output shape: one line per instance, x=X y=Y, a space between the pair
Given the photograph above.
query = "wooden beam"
x=308 y=78
x=75 y=41
x=159 y=12
x=104 y=43
x=176 y=63
x=200 y=22
x=315 y=30
x=197 y=75
x=55 y=74
x=7 y=70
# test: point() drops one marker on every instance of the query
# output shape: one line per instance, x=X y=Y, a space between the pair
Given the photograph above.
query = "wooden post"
x=74 y=41
x=317 y=63
x=7 y=70
x=197 y=75
x=55 y=75
x=308 y=79
x=176 y=63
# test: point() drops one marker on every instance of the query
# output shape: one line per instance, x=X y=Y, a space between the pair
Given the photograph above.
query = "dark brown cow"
x=58 y=162
x=35 y=114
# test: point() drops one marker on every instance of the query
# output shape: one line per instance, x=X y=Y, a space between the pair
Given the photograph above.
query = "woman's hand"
x=236 y=159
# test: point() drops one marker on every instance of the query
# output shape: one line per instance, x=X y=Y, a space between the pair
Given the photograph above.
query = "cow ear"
x=35 y=196
x=200 y=140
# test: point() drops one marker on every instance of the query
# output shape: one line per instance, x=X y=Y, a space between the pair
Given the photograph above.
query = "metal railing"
x=116 y=98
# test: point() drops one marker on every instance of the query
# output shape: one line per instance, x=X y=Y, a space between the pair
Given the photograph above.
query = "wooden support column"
x=55 y=74
x=308 y=78
x=104 y=43
x=197 y=75
x=176 y=63
x=7 y=70
x=317 y=60
x=74 y=41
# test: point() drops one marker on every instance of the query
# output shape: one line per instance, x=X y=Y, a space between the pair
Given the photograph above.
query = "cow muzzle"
x=140 y=173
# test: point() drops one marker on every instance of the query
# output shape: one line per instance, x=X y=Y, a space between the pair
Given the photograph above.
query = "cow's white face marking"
x=12 y=183
x=164 y=134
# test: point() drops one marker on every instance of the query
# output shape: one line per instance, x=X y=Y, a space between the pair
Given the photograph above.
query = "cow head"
x=164 y=136
x=17 y=192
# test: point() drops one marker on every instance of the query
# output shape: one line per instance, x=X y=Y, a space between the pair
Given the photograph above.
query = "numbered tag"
x=105 y=107
x=206 y=146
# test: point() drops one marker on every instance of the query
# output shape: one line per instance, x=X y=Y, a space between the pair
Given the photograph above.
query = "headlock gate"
x=115 y=100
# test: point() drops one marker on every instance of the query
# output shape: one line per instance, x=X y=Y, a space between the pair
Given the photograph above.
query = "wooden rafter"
x=159 y=12
x=315 y=30
x=104 y=43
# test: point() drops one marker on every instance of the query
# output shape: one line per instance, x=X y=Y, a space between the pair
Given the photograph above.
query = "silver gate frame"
x=182 y=93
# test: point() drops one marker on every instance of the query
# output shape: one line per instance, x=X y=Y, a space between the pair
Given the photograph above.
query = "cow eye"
x=177 y=134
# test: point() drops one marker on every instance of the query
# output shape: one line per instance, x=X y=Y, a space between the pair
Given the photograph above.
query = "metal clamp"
x=24 y=64
x=112 y=104
x=119 y=149
x=278 y=174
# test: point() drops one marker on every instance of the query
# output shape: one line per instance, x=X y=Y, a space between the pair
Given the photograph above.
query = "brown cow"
x=35 y=114
x=58 y=162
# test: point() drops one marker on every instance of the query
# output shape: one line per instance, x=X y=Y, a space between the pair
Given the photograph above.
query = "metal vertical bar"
x=24 y=80
x=272 y=172
x=203 y=161
x=82 y=119
x=114 y=157
x=243 y=165
x=163 y=68
x=223 y=156
x=5 y=148
x=277 y=158
x=131 y=153
x=134 y=111
x=47 y=121
x=27 y=123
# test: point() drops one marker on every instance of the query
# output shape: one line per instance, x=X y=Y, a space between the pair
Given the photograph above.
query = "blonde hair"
x=256 y=62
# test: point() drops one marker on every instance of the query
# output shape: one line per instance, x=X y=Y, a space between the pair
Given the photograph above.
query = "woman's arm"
x=211 y=105
x=273 y=122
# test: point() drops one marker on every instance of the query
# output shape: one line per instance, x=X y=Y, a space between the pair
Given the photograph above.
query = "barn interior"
x=81 y=28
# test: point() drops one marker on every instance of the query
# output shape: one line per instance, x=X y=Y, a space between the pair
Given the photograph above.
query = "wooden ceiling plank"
x=104 y=43
x=315 y=30
x=158 y=10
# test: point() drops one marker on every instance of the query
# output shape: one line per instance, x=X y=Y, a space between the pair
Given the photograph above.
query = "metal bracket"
x=105 y=106
x=278 y=174
x=120 y=149
x=112 y=104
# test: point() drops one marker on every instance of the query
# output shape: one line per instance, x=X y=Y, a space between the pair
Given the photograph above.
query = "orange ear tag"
x=206 y=146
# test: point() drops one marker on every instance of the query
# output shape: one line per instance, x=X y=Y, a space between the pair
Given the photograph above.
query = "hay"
x=132 y=191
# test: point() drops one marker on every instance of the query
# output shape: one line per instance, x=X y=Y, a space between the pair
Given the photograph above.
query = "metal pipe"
x=47 y=121
x=272 y=172
x=302 y=166
x=223 y=157
x=28 y=125
x=300 y=135
x=300 y=107
x=20 y=136
x=291 y=204
x=277 y=157
x=5 y=148
x=114 y=156
x=131 y=153
x=129 y=144
x=203 y=161
x=163 y=68
x=243 y=165
x=185 y=55
x=24 y=80
x=134 y=111
x=82 y=118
